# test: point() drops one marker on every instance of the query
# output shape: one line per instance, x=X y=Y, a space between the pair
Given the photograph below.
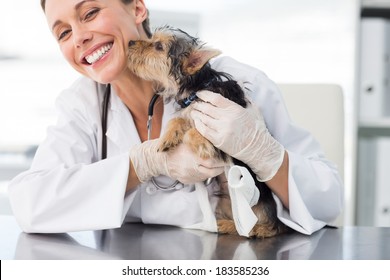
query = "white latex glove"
x=239 y=132
x=180 y=163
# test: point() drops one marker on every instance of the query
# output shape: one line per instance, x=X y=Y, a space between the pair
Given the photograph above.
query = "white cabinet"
x=374 y=86
x=373 y=167
x=373 y=201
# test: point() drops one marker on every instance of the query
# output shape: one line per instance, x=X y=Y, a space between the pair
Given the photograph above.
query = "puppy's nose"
x=131 y=43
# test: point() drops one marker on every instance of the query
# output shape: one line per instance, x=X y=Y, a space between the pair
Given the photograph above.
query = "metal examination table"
x=149 y=242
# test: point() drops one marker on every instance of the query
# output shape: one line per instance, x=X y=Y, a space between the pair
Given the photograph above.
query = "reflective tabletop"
x=140 y=242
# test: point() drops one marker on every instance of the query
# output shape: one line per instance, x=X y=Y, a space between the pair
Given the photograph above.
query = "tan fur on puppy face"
x=149 y=60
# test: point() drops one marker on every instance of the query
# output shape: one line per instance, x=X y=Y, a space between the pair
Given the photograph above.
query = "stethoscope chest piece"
x=155 y=186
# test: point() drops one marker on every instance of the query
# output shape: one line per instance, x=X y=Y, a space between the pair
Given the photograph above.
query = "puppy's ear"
x=197 y=59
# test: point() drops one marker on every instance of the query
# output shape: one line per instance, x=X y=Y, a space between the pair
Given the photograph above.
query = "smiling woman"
x=85 y=28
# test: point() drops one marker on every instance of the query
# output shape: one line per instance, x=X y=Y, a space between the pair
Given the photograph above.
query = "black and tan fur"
x=178 y=65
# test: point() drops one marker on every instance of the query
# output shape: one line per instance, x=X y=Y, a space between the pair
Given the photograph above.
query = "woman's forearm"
x=279 y=183
x=132 y=179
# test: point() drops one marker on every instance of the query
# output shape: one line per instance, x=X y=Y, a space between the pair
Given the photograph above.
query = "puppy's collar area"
x=188 y=100
x=184 y=103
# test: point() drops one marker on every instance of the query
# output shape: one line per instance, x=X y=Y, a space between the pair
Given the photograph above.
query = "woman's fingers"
x=213 y=98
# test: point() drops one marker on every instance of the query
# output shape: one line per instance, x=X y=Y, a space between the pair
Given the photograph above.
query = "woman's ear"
x=141 y=12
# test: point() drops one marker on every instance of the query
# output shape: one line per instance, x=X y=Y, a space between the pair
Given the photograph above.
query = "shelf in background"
x=375 y=12
x=378 y=127
x=375 y=8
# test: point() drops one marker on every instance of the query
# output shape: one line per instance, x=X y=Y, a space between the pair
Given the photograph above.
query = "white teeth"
x=92 y=58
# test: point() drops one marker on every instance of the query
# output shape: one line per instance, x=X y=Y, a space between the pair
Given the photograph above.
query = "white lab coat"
x=68 y=187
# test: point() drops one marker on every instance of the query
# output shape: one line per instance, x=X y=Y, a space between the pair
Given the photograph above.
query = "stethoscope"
x=106 y=99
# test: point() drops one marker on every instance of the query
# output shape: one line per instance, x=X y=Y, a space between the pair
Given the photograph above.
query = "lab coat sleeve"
x=67 y=188
x=315 y=187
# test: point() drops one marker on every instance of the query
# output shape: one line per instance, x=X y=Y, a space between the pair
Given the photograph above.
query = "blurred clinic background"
x=293 y=42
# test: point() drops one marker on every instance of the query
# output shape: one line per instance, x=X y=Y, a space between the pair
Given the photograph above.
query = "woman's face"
x=93 y=35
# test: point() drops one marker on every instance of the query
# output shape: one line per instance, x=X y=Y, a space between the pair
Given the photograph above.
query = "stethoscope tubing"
x=106 y=101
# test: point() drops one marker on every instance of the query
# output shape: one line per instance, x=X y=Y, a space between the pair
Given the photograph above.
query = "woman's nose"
x=81 y=37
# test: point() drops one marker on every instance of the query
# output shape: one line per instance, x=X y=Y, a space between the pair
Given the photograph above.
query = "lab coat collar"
x=121 y=130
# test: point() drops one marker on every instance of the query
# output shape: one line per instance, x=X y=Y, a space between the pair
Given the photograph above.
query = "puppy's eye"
x=158 y=46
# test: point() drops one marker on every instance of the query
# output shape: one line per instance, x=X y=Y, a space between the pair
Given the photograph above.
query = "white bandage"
x=243 y=194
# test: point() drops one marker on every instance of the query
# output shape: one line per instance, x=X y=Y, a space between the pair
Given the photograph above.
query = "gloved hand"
x=179 y=163
x=239 y=132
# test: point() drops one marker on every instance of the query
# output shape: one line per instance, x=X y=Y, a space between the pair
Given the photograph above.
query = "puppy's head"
x=168 y=58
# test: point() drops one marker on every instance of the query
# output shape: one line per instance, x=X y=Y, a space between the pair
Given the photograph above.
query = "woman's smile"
x=96 y=55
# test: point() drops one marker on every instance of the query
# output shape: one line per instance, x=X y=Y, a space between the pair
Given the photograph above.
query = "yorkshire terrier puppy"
x=178 y=65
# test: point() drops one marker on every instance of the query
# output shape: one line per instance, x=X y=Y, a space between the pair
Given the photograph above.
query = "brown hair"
x=145 y=24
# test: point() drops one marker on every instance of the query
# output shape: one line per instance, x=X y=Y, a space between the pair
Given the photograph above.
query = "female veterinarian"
x=90 y=174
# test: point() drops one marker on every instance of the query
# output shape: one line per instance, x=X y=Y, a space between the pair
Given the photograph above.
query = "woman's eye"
x=63 y=35
x=91 y=13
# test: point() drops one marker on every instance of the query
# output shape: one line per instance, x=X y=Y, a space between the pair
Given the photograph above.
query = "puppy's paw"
x=262 y=231
x=174 y=134
x=226 y=227
x=170 y=140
